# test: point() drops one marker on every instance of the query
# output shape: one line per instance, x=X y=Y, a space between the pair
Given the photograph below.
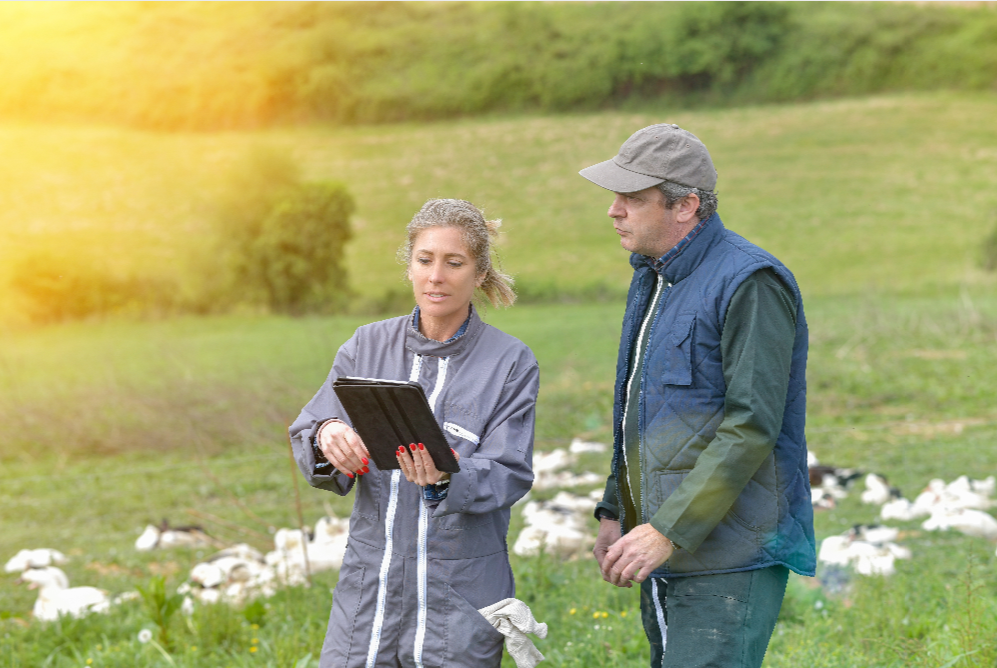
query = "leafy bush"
x=714 y=45
x=282 y=238
x=297 y=258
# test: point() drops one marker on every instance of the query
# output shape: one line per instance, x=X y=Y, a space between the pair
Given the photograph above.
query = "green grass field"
x=891 y=194
x=879 y=205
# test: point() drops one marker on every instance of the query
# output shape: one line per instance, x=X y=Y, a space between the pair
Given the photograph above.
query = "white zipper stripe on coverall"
x=420 y=631
x=382 y=589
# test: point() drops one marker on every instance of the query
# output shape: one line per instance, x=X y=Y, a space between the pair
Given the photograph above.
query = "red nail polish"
x=412 y=446
x=453 y=451
x=422 y=447
x=366 y=469
x=349 y=475
x=364 y=460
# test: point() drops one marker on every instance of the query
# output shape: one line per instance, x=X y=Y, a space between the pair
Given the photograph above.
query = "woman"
x=427 y=549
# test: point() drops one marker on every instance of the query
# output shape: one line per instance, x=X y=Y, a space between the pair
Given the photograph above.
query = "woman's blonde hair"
x=476 y=233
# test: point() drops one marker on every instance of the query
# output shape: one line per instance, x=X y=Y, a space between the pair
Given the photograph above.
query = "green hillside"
x=243 y=65
x=890 y=194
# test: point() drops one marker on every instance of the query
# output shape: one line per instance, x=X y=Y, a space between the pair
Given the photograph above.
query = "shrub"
x=281 y=239
x=297 y=257
x=714 y=45
x=62 y=286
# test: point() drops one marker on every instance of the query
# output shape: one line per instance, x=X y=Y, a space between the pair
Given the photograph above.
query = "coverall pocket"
x=464 y=635
x=341 y=642
x=463 y=521
x=367 y=502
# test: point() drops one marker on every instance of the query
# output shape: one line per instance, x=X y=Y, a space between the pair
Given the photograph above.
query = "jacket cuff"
x=678 y=540
x=321 y=467
x=609 y=503
x=460 y=491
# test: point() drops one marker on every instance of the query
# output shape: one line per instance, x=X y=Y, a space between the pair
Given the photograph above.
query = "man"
x=708 y=503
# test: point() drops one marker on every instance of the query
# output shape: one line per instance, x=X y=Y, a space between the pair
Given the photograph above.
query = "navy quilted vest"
x=682 y=404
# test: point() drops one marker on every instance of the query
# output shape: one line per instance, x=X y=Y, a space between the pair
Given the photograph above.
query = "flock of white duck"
x=871 y=549
x=561 y=526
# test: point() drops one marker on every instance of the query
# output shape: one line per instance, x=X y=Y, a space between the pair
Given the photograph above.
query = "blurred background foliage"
x=269 y=241
x=242 y=65
x=164 y=158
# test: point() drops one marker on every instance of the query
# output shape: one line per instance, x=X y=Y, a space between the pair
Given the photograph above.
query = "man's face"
x=644 y=224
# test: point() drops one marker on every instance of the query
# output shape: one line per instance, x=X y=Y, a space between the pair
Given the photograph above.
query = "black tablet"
x=389 y=413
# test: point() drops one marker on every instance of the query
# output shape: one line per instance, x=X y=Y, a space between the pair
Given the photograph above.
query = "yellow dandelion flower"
x=572 y=611
x=623 y=614
x=252 y=649
x=605 y=614
x=595 y=615
x=254 y=626
x=256 y=641
x=89 y=661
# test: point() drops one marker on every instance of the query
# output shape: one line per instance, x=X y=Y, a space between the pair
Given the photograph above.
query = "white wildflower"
x=144 y=636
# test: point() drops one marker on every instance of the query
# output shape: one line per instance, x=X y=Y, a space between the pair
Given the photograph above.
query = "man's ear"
x=687 y=208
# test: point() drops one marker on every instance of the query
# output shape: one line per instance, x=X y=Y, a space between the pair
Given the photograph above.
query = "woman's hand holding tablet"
x=418 y=466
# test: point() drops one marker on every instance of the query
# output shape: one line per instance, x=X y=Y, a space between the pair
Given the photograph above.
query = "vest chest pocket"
x=674 y=354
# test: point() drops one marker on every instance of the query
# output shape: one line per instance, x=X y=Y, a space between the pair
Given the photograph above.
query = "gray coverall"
x=416 y=571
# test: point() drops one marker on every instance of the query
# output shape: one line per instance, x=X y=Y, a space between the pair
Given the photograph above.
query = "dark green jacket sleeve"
x=757 y=349
x=609 y=499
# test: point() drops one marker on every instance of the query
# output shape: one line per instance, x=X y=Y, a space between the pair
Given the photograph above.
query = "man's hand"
x=609 y=533
x=635 y=555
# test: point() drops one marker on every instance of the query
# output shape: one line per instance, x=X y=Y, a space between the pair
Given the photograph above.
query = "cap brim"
x=611 y=176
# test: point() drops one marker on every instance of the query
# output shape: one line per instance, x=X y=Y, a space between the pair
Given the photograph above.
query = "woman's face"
x=443 y=274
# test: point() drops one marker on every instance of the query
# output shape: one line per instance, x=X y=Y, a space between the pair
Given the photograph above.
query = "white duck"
x=326 y=550
x=165 y=537
x=564 y=541
x=558 y=526
x=37 y=558
x=56 y=598
x=234 y=575
x=902 y=509
x=967 y=520
x=877 y=490
x=868 y=548
x=578 y=446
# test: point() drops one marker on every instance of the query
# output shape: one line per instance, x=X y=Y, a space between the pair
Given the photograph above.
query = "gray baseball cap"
x=663 y=152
